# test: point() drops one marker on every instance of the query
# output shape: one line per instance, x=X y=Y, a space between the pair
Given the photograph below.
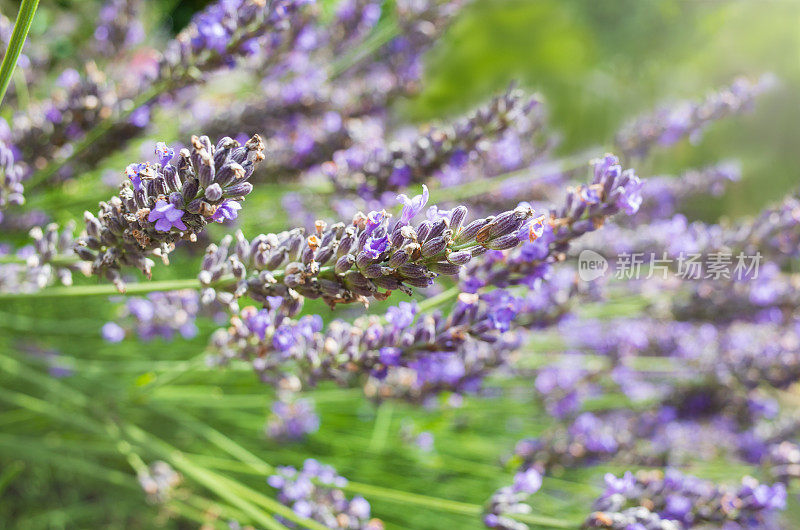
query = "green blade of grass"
x=23 y=24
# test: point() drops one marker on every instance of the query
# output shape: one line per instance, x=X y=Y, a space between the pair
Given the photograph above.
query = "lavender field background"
x=526 y=389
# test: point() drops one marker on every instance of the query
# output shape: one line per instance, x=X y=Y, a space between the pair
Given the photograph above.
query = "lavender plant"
x=501 y=320
x=164 y=203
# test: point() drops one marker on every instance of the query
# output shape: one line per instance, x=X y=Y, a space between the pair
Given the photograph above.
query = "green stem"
x=22 y=447
x=105 y=289
x=237 y=494
x=23 y=24
x=187 y=511
x=243 y=455
x=218 y=439
x=382 y=424
x=46 y=408
x=69 y=259
x=213 y=508
x=381 y=36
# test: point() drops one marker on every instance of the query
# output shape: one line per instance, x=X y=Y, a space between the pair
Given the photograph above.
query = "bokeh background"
x=596 y=64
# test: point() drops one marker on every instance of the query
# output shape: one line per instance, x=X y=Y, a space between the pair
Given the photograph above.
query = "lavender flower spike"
x=164 y=203
x=118 y=27
x=669 y=124
x=313 y=492
x=369 y=257
x=166 y=216
x=683 y=502
x=10 y=179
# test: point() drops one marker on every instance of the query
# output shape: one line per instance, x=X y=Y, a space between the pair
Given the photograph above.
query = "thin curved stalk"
x=105 y=289
x=21 y=27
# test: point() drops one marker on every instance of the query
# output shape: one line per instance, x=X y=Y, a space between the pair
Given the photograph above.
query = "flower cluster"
x=314 y=492
x=688 y=501
x=216 y=39
x=370 y=257
x=546 y=239
x=663 y=196
x=509 y=500
x=164 y=203
x=11 y=188
x=311 y=108
x=160 y=314
x=407 y=354
x=670 y=124
x=159 y=481
x=292 y=419
x=119 y=27
x=78 y=103
x=225 y=32
x=36 y=265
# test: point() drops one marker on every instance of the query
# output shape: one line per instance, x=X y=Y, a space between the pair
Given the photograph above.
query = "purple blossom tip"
x=166 y=216
x=132 y=172
x=112 y=332
x=528 y=481
x=375 y=246
x=229 y=209
x=411 y=207
x=532 y=230
x=164 y=153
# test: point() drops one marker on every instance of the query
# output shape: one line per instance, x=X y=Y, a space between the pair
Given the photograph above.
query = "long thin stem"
x=415 y=499
x=78 y=291
x=23 y=24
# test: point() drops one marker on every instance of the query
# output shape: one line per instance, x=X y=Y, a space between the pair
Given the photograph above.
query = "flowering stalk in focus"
x=392 y=168
x=164 y=203
x=342 y=263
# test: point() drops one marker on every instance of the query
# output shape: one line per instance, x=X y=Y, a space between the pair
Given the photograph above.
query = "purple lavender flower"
x=669 y=124
x=411 y=207
x=528 y=481
x=119 y=27
x=630 y=198
x=166 y=217
x=376 y=246
x=314 y=492
x=161 y=315
x=160 y=198
x=11 y=173
x=346 y=263
x=690 y=502
x=113 y=332
x=164 y=153
x=510 y=500
x=228 y=210
x=292 y=419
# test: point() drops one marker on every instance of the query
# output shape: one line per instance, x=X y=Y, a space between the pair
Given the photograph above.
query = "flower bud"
x=213 y=193
x=434 y=246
